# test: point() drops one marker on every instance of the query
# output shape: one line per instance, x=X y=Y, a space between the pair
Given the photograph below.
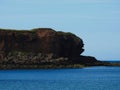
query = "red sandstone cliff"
x=41 y=40
x=40 y=48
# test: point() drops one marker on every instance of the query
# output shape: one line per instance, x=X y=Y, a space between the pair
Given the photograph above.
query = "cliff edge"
x=41 y=47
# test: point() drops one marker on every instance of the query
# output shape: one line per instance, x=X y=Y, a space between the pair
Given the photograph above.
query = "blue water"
x=92 y=78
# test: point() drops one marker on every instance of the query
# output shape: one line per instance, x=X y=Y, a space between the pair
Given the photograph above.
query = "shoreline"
x=54 y=66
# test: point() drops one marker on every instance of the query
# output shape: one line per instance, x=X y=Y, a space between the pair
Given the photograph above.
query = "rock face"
x=41 y=40
x=41 y=46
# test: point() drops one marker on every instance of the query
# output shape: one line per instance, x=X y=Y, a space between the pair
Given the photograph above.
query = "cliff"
x=41 y=46
x=43 y=40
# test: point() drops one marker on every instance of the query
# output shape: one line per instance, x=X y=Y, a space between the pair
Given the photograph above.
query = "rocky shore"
x=43 y=48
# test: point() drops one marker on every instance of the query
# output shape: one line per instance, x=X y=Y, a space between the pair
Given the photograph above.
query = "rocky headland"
x=42 y=48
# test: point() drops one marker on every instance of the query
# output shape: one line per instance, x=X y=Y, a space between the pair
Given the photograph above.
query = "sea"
x=89 y=78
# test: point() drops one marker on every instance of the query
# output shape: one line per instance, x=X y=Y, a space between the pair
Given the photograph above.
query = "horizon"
x=97 y=22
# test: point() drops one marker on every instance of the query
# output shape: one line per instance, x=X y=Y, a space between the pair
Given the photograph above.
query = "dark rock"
x=43 y=40
x=41 y=46
x=86 y=60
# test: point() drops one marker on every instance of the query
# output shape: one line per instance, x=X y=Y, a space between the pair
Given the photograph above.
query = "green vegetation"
x=14 y=30
x=66 y=34
x=25 y=31
x=36 y=29
x=69 y=34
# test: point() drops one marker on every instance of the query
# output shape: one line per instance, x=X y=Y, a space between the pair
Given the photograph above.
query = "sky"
x=97 y=22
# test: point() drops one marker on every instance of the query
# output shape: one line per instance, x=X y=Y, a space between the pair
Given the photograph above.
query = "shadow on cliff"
x=42 y=45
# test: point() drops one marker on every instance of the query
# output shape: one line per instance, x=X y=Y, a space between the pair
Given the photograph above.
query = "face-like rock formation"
x=40 y=40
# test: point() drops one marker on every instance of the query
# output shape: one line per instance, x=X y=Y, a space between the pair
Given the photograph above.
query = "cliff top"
x=44 y=40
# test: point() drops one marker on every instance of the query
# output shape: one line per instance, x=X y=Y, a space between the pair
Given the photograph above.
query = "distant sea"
x=115 y=61
x=90 y=78
x=112 y=61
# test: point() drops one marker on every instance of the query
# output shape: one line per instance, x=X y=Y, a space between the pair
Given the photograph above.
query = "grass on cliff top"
x=37 y=29
x=32 y=30
x=65 y=34
x=13 y=30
